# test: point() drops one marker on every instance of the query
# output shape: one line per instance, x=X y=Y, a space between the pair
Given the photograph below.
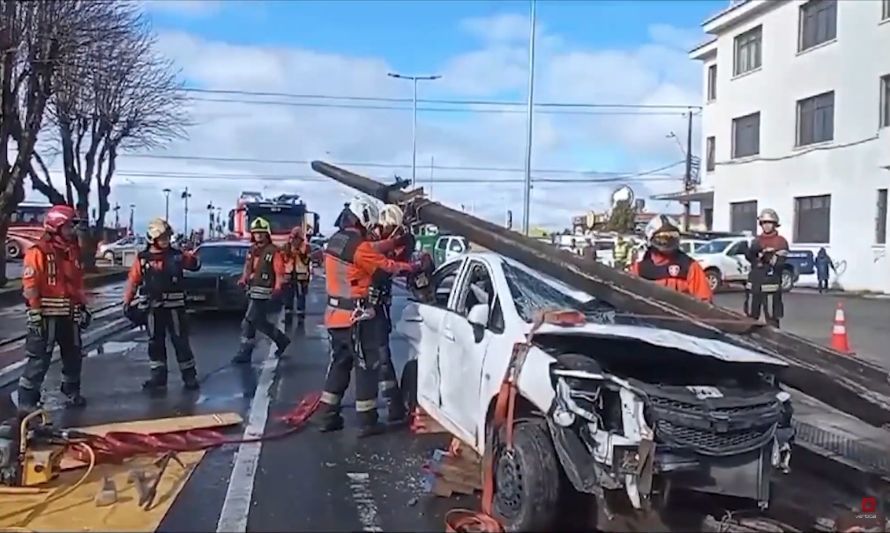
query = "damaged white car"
x=618 y=408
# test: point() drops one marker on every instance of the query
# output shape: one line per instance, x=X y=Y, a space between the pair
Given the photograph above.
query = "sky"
x=598 y=52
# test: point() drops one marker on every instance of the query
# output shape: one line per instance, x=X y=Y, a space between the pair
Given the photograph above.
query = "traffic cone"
x=839 y=339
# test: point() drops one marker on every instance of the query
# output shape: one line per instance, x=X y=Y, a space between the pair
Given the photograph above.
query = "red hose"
x=115 y=446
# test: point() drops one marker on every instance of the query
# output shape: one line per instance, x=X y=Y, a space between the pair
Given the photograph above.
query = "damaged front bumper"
x=652 y=439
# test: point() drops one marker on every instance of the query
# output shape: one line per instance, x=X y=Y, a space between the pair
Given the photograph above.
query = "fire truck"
x=283 y=213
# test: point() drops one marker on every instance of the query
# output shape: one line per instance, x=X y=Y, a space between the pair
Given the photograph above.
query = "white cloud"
x=653 y=72
x=189 y=8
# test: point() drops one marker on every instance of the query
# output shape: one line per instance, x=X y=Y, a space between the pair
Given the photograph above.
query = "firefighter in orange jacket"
x=157 y=277
x=52 y=280
x=352 y=265
x=664 y=262
x=296 y=252
x=264 y=278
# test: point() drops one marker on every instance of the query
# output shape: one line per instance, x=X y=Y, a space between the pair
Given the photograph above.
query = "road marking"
x=360 y=484
x=236 y=507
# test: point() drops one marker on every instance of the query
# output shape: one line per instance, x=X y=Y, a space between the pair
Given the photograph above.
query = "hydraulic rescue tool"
x=31 y=454
x=848 y=384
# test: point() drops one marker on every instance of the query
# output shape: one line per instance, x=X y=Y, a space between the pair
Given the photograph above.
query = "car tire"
x=13 y=249
x=408 y=385
x=787 y=280
x=527 y=482
x=714 y=278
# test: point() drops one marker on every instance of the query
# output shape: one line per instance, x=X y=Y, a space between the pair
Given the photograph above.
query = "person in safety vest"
x=298 y=268
x=767 y=255
x=621 y=253
x=352 y=265
x=664 y=263
x=157 y=279
x=264 y=278
x=52 y=282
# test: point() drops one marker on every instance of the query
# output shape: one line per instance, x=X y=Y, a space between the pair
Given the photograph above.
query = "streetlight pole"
x=414 y=80
x=132 y=211
x=527 y=189
x=185 y=197
x=167 y=205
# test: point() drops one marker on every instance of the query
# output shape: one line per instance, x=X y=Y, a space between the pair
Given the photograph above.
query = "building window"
x=815 y=119
x=881 y=218
x=812 y=219
x=711 y=157
x=747 y=50
x=885 y=13
x=743 y=217
x=885 y=101
x=712 y=83
x=746 y=135
x=818 y=23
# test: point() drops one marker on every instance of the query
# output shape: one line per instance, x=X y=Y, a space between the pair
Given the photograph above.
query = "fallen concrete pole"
x=848 y=384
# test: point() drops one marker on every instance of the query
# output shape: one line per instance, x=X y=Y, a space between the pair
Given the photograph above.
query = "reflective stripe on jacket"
x=52 y=278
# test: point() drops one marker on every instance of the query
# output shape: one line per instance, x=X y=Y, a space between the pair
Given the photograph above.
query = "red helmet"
x=58 y=216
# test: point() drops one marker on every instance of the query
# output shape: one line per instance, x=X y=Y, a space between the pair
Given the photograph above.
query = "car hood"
x=664 y=338
x=215 y=270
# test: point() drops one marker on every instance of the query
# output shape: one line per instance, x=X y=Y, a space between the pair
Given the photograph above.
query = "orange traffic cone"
x=839 y=339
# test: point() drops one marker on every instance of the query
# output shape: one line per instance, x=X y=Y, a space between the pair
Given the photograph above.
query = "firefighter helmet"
x=296 y=233
x=58 y=216
x=365 y=211
x=158 y=228
x=663 y=234
x=391 y=215
x=769 y=215
x=260 y=225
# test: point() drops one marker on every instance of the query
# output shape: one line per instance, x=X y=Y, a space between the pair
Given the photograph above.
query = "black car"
x=215 y=286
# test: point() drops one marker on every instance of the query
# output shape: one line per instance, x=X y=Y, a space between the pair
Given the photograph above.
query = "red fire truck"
x=26 y=226
x=283 y=213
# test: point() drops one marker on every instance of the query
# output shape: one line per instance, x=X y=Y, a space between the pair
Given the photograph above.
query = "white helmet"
x=667 y=231
x=365 y=211
x=769 y=215
x=391 y=215
x=157 y=228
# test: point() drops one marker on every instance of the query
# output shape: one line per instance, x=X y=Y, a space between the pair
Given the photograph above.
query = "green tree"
x=622 y=217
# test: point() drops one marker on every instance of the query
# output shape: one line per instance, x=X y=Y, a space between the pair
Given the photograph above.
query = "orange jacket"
x=351 y=264
x=52 y=279
x=257 y=275
x=155 y=261
x=296 y=257
x=695 y=283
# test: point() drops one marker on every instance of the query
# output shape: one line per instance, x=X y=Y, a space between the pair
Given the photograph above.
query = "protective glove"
x=84 y=317
x=242 y=283
x=35 y=322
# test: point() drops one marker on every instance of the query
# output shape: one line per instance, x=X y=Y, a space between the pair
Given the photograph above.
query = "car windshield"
x=222 y=255
x=532 y=293
x=713 y=247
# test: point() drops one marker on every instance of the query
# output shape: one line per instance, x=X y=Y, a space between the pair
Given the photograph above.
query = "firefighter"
x=767 y=255
x=664 y=263
x=298 y=269
x=621 y=254
x=264 y=278
x=52 y=282
x=352 y=265
x=154 y=290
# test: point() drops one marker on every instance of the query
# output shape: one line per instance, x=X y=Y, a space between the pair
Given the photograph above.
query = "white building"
x=797 y=118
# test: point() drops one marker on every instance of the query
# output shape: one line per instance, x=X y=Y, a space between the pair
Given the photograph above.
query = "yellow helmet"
x=158 y=228
x=260 y=225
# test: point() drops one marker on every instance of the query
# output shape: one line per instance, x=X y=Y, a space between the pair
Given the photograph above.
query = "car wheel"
x=714 y=280
x=408 y=385
x=787 y=280
x=527 y=479
x=13 y=250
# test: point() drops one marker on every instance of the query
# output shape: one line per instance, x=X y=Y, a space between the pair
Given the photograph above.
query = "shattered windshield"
x=531 y=293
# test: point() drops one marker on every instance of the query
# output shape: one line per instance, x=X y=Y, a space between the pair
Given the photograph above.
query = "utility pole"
x=185 y=197
x=432 y=165
x=687 y=178
x=414 y=79
x=117 y=220
x=527 y=189
x=210 y=226
x=132 y=211
x=167 y=205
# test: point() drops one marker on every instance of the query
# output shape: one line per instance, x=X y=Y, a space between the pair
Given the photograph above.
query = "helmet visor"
x=666 y=241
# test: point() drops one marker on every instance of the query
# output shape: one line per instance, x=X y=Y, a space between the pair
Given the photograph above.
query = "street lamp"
x=167 y=205
x=526 y=197
x=132 y=214
x=414 y=80
x=185 y=198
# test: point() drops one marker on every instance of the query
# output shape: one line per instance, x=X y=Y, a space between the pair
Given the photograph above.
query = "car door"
x=463 y=347
x=421 y=323
x=738 y=263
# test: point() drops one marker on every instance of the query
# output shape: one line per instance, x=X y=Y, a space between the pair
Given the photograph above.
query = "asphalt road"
x=13 y=269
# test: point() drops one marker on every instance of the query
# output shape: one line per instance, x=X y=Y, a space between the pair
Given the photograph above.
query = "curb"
x=13 y=295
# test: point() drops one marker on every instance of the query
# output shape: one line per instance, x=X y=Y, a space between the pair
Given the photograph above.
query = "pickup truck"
x=724 y=262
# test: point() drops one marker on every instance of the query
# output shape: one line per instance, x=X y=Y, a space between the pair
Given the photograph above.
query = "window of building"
x=743 y=216
x=881 y=218
x=711 y=157
x=885 y=101
x=818 y=23
x=815 y=119
x=712 y=83
x=746 y=135
x=885 y=13
x=812 y=219
x=747 y=50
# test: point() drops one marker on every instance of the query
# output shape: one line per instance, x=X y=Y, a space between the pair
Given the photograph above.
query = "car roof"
x=225 y=244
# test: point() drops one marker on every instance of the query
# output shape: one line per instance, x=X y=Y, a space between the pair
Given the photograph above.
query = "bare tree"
x=132 y=100
x=37 y=39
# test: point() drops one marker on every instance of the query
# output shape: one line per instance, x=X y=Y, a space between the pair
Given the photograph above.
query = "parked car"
x=724 y=262
x=609 y=405
x=114 y=251
x=448 y=247
x=689 y=246
x=215 y=286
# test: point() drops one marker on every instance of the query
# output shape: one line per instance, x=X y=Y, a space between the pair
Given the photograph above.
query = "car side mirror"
x=478 y=318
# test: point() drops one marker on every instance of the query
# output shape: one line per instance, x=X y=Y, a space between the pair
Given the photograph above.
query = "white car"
x=625 y=410
x=724 y=262
x=114 y=251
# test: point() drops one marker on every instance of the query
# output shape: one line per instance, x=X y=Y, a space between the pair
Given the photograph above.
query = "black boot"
x=29 y=401
x=369 y=424
x=244 y=355
x=396 y=412
x=327 y=418
x=73 y=398
x=282 y=342
x=156 y=383
x=190 y=379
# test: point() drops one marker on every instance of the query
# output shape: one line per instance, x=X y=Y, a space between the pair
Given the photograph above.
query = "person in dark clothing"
x=767 y=255
x=823 y=265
